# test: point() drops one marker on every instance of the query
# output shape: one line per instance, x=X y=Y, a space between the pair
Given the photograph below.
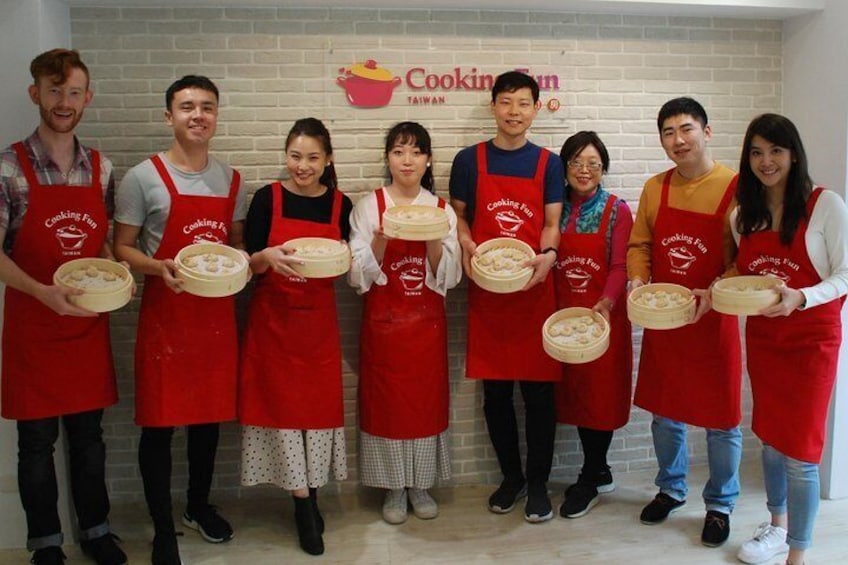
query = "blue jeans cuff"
x=97 y=531
x=34 y=544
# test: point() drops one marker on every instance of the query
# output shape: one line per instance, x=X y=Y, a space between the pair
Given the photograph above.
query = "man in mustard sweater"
x=690 y=375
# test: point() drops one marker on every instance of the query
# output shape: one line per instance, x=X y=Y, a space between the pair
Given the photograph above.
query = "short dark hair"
x=682 y=105
x=315 y=128
x=57 y=64
x=580 y=141
x=189 y=81
x=514 y=80
x=413 y=133
x=754 y=214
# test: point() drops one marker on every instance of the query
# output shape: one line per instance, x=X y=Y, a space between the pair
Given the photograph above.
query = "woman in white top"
x=787 y=227
x=403 y=366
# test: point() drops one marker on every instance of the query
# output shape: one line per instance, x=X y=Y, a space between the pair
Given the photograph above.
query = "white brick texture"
x=275 y=65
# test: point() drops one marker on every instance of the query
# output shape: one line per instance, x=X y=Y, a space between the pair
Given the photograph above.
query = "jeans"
x=37 y=477
x=724 y=452
x=794 y=485
x=154 y=460
x=540 y=428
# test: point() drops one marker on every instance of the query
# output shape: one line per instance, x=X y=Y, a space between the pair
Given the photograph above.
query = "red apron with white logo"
x=55 y=365
x=291 y=372
x=186 y=353
x=505 y=331
x=791 y=360
x=403 y=364
x=691 y=374
x=593 y=395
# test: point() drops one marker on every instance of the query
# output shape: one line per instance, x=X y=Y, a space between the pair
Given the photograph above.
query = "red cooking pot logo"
x=368 y=85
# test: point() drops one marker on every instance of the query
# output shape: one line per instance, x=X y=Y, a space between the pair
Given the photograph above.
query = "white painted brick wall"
x=274 y=65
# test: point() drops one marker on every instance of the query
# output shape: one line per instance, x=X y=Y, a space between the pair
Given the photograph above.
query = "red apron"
x=505 y=332
x=593 y=395
x=186 y=353
x=55 y=365
x=691 y=374
x=403 y=365
x=791 y=360
x=291 y=371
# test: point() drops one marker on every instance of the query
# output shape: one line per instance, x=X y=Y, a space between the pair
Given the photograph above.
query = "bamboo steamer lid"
x=322 y=257
x=506 y=281
x=108 y=285
x=567 y=348
x=193 y=263
x=416 y=223
x=745 y=295
x=658 y=316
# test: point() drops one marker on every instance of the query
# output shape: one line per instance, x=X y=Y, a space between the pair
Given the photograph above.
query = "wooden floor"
x=466 y=533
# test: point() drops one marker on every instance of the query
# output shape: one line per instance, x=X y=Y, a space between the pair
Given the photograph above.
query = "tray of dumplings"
x=661 y=306
x=745 y=295
x=322 y=257
x=575 y=335
x=107 y=285
x=211 y=270
x=415 y=223
x=499 y=265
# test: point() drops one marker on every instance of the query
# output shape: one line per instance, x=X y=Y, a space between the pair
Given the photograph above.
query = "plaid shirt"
x=14 y=189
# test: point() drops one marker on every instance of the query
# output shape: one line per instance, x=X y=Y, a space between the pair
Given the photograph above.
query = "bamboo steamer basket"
x=415 y=223
x=97 y=299
x=211 y=285
x=333 y=264
x=653 y=318
x=745 y=295
x=494 y=282
x=575 y=353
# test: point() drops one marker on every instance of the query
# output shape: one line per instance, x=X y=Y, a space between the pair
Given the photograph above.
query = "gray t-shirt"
x=142 y=198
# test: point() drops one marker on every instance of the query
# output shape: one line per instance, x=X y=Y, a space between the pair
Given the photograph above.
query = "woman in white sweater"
x=787 y=227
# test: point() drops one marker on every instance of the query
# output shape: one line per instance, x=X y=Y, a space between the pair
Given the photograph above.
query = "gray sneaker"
x=422 y=503
x=395 y=506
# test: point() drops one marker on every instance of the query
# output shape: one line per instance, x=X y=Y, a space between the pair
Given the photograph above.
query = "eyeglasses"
x=591 y=167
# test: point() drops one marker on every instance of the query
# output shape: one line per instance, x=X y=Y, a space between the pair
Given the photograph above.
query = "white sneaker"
x=394 y=506
x=767 y=542
x=423 y=504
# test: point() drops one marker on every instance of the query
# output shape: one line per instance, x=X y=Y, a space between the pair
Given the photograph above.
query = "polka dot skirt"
x=292 y=459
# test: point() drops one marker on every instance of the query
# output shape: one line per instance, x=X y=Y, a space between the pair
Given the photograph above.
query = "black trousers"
x=154 y=460
x=539 y=422
x=37 y=476
x=595 y=445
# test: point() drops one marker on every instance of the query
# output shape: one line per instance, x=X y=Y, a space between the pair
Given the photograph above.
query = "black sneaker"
x=51 y=555
x=602 y=481
x=538 y=508
x=579 y=499
x=659 y=508
x=209 y=523
x=104 y=550
x=503 y=500
x=165 y=550
x=716 y=528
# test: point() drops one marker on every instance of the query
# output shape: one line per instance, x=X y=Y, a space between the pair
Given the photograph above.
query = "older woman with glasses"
x=591 y=272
